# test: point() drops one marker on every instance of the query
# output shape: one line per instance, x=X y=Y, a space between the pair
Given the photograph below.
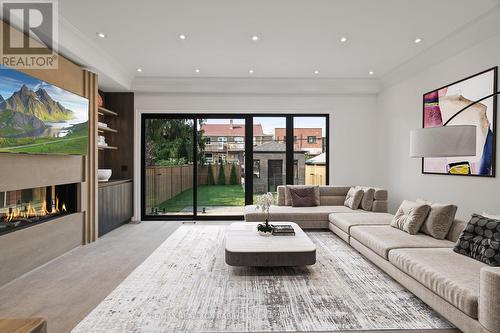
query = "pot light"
x=251 y=71
x=197 y=70
x=139 y=70
x=316 y=71
x=101 y=35
x=182 y=37
x=371 y=72
x=418 y=40
x=255 y=38
x=343 y=39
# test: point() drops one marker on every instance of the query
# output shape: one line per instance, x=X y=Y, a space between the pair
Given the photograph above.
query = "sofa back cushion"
x=440 y=218
x=368 y=197
x=410 y=216
x=303 y=196
x=288 y=197
x=480 y=240
x=353 y=198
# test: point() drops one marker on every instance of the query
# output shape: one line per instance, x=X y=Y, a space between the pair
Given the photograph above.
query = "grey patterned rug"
x=185 y=286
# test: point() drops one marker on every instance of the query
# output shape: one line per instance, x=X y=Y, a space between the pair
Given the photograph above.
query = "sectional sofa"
x=463 y=290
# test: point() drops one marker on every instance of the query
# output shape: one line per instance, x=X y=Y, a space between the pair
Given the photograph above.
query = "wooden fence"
x=165 y=182
x=315 y=175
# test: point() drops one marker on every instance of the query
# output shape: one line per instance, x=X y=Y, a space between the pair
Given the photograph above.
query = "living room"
x=237 y=166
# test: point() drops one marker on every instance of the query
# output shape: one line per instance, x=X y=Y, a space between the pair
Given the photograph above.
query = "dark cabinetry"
x=115 y=204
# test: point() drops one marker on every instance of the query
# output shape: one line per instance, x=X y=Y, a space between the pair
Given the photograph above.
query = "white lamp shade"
x=445 y=141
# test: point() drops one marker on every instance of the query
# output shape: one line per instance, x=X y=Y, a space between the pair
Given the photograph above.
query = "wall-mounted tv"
x=39 y=118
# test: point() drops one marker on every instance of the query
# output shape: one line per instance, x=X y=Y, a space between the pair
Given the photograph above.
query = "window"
x=238 y=139
x=208 y=157
x=256 y=168
x=208 y=141
x=222 y=139
x=311 y=139
x=294 y=139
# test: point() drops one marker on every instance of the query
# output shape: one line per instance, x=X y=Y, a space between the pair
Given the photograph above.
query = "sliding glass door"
x=211 y=166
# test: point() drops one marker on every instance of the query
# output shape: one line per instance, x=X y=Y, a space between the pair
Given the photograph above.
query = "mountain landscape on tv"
x=40 y=118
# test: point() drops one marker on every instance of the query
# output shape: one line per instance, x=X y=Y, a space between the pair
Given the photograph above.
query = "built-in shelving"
x=106 y=129
x=105 y=112
x=107 y=147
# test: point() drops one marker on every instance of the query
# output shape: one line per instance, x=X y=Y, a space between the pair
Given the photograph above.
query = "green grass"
x=208 y=195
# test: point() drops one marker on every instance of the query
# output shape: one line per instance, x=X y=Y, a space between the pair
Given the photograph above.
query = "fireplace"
x=21 y=209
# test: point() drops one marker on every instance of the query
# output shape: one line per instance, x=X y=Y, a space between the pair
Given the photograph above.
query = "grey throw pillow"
x=480 y=240
x=410 y=216
x=288 y=198
x=367 y=200
x=439 y=221
x=353 y=198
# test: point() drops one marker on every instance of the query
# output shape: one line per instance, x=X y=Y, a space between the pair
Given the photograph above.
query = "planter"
x=265 y=234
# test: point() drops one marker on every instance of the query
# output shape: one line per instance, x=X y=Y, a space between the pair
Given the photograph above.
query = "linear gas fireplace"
x=20 y=209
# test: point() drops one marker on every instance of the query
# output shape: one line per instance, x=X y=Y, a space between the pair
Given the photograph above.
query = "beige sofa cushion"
x=286 y=213
x=410 y=216
x=439 y=220
x=288 y=197
x=381 y=239
x=345 y=221
x=353 y=197
x=450 y=275
x=367 y=200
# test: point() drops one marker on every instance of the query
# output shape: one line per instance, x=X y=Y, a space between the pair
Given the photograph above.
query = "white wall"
x=399 y=109
x=351 y=124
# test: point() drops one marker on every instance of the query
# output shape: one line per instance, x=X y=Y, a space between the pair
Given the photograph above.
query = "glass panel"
x=309 y=150
x=169 y=166
x=269 y=154
x=221 y=167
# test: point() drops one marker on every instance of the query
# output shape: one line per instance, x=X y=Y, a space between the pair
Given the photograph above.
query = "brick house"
x=310 y=140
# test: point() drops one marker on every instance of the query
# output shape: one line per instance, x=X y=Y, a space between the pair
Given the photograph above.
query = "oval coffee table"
x=245 y=247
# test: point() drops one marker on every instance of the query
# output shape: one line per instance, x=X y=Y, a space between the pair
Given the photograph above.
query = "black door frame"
x=248 y=156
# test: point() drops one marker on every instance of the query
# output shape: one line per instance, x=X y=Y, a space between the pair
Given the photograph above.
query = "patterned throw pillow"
x=480 y=240
x=439 y=221
x=353 y=198
x=410 y=216
x=367 y=201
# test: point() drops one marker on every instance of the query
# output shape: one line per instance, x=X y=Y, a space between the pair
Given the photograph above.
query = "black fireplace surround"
x=21 y=209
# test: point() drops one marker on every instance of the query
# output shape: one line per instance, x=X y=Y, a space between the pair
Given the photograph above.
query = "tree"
x=221 y=179
x=211 y=179
x=233 y=179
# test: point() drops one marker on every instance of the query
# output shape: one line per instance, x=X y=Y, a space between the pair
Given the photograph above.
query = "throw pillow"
x=367 y=200
x=480 y=240
x=410 y=216
x=288 y=198
x=491 y=216
x=439 y=221
x=303 y=197
x=353 y=198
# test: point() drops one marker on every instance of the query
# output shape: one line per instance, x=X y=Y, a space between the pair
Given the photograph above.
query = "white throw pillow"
x=491 y=216
x=440 y=218
x=353 y=197
x=410 y=216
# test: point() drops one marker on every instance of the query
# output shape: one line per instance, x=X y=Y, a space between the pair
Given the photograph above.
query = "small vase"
x=265 y=234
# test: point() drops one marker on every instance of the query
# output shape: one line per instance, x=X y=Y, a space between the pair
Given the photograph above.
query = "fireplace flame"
x=30 y=211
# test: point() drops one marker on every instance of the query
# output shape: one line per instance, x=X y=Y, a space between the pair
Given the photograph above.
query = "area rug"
x=185 y=286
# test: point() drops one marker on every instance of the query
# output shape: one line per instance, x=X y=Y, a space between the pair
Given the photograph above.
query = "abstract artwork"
x=445 y=107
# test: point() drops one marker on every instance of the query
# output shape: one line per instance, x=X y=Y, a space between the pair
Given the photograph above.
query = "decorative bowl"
x=265 y=234
x=103 y=175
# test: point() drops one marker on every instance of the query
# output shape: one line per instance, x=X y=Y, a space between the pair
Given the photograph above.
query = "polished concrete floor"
x=66 y=289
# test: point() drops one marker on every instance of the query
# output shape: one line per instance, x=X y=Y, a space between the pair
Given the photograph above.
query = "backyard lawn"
x=208 y=195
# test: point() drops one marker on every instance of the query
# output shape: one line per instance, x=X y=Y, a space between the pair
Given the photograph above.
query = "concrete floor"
x=66 y=289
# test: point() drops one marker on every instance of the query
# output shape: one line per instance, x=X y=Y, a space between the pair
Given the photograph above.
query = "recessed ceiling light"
x=316 y=71
x=250 y=71
x=181 y=36
x=255 y=38
x=197 y=70
x=418 y=40
x=343 y=39
x=139 y=70
x=371 y=72
x=101 y=35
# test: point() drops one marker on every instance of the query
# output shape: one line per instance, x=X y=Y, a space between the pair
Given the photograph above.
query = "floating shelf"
x=106 y=129
x=107 y=147
x=105 y=112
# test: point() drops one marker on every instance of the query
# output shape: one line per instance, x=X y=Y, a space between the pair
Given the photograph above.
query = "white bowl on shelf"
x=103 y=175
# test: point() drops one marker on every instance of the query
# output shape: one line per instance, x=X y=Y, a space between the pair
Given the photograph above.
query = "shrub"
x=211 y=179
x=233 y=179
x=221 y=179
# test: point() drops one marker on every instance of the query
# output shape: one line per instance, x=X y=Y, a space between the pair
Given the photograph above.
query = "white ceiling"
x=296 y=36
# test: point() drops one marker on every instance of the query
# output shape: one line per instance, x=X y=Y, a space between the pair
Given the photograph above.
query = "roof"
x=320 y=159
x=273 y=147
x=229 y=130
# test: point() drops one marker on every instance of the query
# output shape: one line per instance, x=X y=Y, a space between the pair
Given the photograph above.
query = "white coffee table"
x=245 y=247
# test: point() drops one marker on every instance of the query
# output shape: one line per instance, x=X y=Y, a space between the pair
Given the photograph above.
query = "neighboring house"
x=269 y=163
x=226 y=142
x=307 y=139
